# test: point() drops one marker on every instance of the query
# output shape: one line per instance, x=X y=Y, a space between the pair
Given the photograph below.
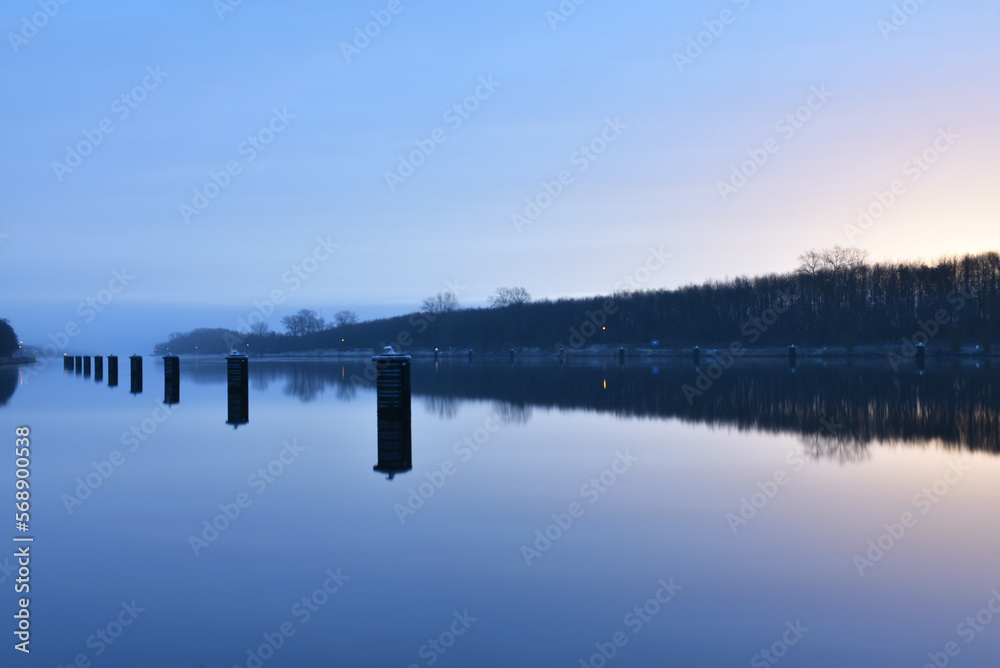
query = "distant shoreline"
x=641 y=352
x=17 y=360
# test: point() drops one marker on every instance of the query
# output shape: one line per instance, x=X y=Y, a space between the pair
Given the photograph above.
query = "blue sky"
x=208 y=86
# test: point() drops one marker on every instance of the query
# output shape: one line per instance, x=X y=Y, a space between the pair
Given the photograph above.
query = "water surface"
x=747 y=511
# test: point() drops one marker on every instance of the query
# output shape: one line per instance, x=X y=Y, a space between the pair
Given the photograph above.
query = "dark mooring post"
x=921 y=356
x=792 y=355
x=171 y=379
x=68 y=362
x=621 y=355
x=79 y=364
x=98 y=368
x=437 y=353
x=395 y=446
x=86 y=367
x=562 y=355
x=112 y=370
x=470 y=355
x=697 y=356
x=135 y=364
x=238 y=389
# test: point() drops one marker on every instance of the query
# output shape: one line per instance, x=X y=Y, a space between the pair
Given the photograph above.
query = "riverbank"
x=17 y=360
x=656 y=352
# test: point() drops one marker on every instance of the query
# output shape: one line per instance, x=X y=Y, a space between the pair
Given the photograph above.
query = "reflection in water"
x=838 y=408
x=510 y=413
x=445 y=408
x=8 y=382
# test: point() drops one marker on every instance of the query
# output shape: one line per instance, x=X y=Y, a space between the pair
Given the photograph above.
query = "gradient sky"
x=226 y=69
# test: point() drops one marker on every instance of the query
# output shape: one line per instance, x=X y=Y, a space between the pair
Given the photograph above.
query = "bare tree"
x=442 y=302
x=509 y=297
x=836 y=259
x=260 y=328
x=810 y=262
x=345 y=317
x=306 y=321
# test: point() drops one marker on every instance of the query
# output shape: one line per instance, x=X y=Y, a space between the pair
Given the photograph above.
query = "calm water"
x=552 y=514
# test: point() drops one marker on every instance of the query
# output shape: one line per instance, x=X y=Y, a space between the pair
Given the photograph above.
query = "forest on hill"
x=836 y=297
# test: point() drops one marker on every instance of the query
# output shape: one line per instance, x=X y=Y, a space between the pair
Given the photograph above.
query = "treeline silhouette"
x=828 y=302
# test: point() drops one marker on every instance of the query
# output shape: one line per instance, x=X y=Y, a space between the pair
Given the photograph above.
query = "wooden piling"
x=112 y=371
x=171 y=379
x=98 y=368
x=68 y=362
x=86 y=366
x=697 y=355
x=621 y=355
x=792 y=355
x=135 y=367
x=395 y=447
x=238 y=390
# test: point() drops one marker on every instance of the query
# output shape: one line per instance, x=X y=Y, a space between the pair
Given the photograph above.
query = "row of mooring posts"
x=920 y=357
x=82 y=365
x=237 y=380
